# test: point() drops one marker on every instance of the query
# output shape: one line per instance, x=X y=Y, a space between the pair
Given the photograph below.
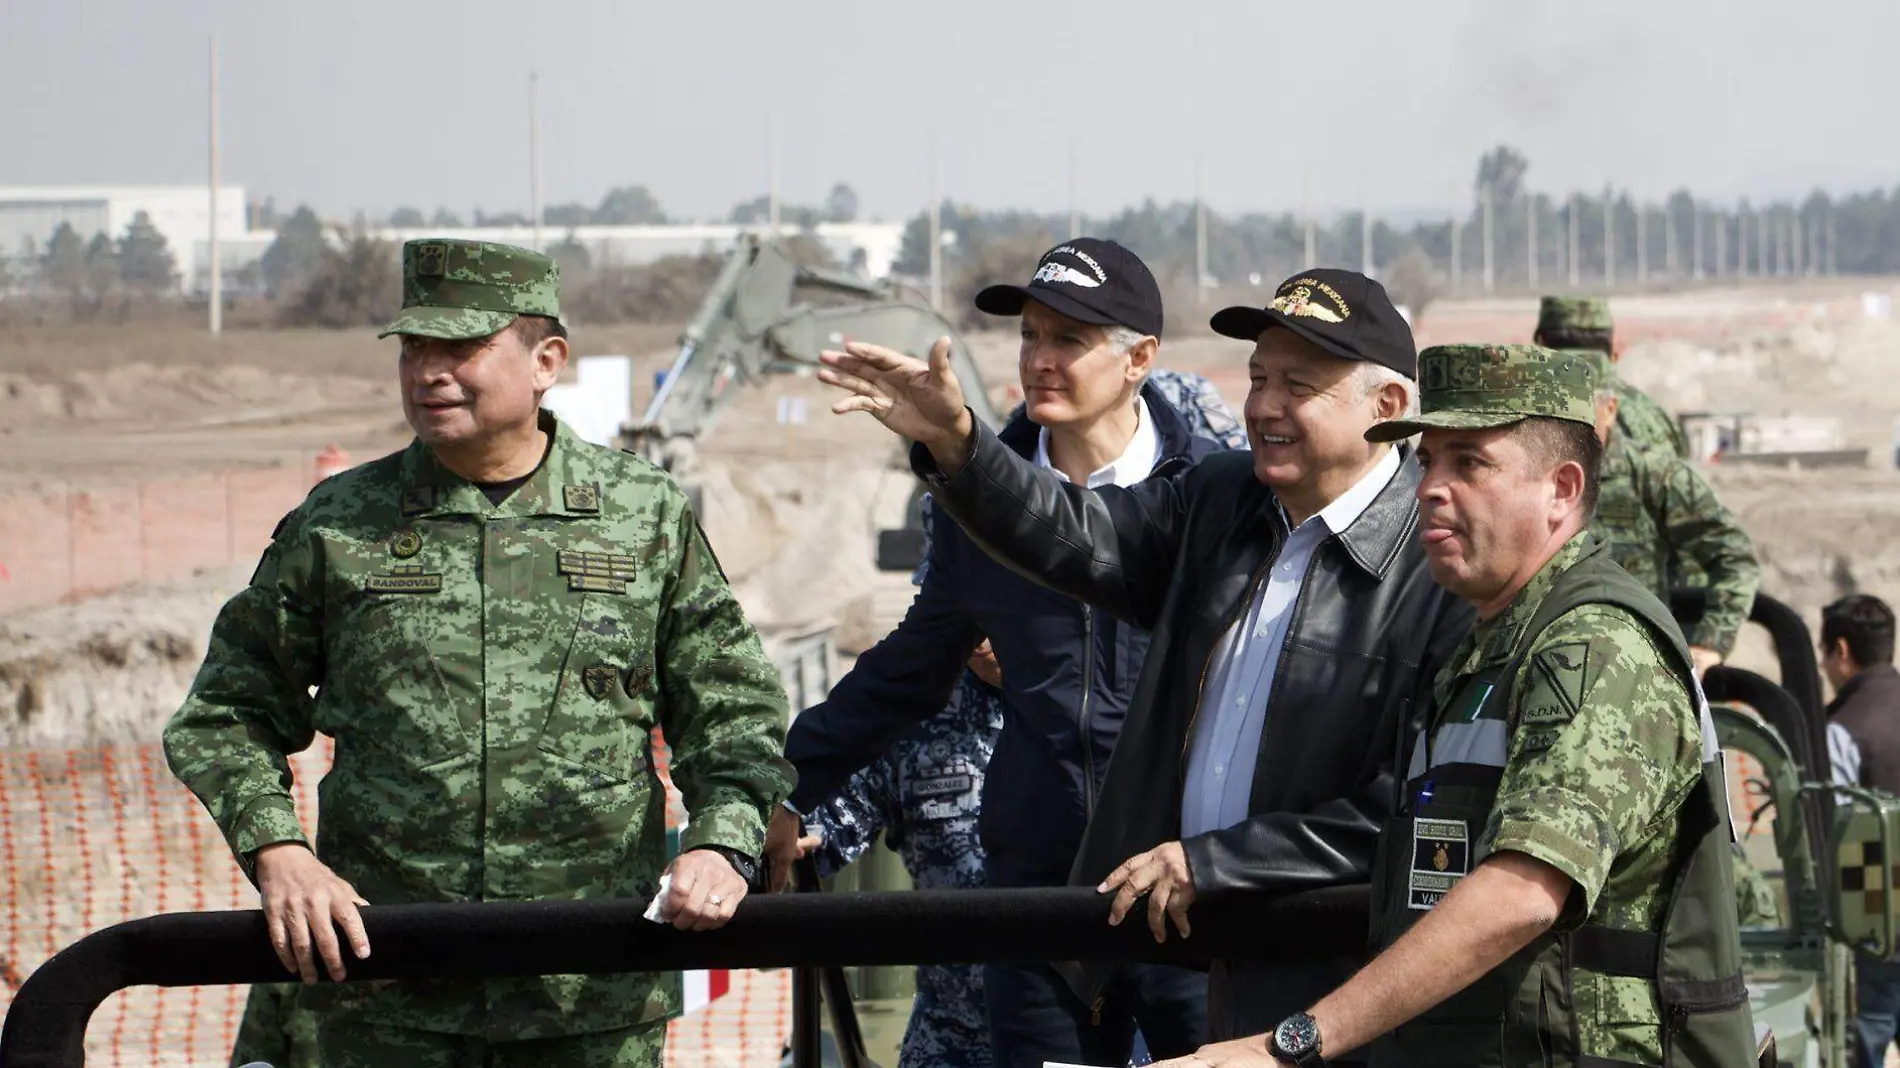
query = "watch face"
x=1296 y=1034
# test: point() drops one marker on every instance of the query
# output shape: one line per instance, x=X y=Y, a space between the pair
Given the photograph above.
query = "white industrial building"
x=30 y=214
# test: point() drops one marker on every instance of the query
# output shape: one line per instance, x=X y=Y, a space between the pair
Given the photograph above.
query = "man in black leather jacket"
x=1294 y=624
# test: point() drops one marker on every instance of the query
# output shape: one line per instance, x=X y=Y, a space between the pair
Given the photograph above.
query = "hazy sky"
x=370 y=104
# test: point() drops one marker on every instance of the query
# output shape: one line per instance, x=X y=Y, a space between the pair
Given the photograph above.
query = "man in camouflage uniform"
x=491 y=624
x=1583 y=324
x=1662 y=519
x=1556 y=884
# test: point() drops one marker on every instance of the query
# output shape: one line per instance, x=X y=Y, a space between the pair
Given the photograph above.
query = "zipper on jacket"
x=1082 y=714
x=1200 y=693
x=1095 y=1010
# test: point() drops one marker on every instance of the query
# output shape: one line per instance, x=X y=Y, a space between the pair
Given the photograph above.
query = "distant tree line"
x=635 y=205
x=1508 y=238
x=1614 y=240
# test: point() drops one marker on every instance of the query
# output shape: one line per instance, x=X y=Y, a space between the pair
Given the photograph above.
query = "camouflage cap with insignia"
x=1573 y=313
x=1474 y=387
x=457 y=290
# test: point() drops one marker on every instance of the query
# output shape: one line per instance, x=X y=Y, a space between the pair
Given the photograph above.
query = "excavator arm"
x=752 y=323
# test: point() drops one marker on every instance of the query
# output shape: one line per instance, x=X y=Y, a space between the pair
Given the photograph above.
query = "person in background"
x=1863 y=741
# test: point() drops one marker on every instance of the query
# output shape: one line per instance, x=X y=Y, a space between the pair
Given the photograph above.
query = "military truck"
x=1824 y=849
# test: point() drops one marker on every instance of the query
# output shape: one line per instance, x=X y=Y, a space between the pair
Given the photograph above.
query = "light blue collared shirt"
x=1219 y=787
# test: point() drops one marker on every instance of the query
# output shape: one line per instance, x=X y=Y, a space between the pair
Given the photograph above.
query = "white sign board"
x=600 y=402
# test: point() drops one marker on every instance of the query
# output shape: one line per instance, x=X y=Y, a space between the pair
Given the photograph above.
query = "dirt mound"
x=109 y=670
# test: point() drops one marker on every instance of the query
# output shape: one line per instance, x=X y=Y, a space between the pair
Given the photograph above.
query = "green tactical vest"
x=1522 y=1012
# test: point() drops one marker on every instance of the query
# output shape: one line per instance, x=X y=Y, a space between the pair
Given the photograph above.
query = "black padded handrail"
x=45 y=1027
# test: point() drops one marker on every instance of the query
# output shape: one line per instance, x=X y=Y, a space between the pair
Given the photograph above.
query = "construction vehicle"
x=766 y=314
x=1822 y=853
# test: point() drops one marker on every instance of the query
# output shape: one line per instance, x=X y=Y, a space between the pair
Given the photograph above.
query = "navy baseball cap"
x=1343 y=312
x=1089 y=280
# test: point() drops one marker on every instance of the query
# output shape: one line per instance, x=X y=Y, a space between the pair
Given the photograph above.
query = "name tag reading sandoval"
x=1441 y=855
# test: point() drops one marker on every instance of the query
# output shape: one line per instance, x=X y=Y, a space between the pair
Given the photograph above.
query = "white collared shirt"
x=1136 y=462
x=1218 y=790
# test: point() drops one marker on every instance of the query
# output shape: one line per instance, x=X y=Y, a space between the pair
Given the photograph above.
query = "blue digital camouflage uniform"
x=922 y=795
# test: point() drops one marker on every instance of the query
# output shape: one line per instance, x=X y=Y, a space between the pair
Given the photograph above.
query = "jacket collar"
x=1878 y=674
x=1177 y=441
x=559 y=486
x=1383 y=530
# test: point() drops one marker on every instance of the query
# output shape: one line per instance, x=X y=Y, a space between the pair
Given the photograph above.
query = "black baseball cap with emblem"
x=1343 y=312
x=1090 y=280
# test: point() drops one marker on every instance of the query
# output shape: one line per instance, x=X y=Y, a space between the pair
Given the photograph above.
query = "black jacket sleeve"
x=1111 y=547
x=898 y=683
x=1333 y=842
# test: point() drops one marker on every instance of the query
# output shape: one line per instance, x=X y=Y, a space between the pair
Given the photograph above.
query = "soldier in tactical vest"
x=1583 y=324
x=1555 y=887
x=491 y=623
x=1662 y=518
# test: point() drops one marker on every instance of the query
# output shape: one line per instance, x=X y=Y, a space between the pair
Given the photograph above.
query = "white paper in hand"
x=653 y=907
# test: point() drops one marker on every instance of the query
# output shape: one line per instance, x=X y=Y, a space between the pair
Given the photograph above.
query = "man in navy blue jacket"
x=1091 y=317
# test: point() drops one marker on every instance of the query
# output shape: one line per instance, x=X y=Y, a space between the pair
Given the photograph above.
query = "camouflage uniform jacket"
x=923 y=796
x=1661 y=518
x=1640 y=419
x=491 y=676
x=1604 y=746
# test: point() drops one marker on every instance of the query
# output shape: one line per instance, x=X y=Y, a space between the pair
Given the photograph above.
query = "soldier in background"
x=1662 y=519
x=1583 y=324
x=491 y=623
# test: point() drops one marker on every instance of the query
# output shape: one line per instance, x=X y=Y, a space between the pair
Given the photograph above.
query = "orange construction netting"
x=94 y=837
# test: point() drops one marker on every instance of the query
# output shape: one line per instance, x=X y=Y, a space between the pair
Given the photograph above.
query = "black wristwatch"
x=747 y=867
x=1296 y=1041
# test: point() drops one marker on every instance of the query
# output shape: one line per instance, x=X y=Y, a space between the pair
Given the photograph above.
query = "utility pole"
x=1828 y=258
x=1721 y=244
x=936 y=230
x=1741 y=241
x=1200 y=237
x=1530 y=241
x=1306 y=210
x=1075 y=204
x=1642 y=244
x=771 y=180
x=1576 y=240
x=1490 y=275
x=1695 y=242
x=1671 y=258
x=217 y=267
x=534 y=155
x=1609 y=238
x=1365 y=232
x=1457 y=253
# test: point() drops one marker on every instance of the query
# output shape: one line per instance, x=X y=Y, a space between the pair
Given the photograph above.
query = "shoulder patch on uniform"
x=1564 y=670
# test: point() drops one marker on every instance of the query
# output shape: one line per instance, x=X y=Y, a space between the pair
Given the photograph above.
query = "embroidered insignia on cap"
x=599 y=678
x=1300 y=303
x=432 y=261
x=405 y=544
x=1056 y=272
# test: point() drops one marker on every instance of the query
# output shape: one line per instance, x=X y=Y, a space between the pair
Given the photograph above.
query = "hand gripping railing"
x=45 y=1028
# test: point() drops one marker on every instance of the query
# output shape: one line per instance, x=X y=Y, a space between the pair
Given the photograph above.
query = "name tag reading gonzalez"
x=1441 y=855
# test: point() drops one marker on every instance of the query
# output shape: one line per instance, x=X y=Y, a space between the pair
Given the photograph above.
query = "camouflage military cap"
x=1573 y=313
x=457 y=290
x=1475 y=387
